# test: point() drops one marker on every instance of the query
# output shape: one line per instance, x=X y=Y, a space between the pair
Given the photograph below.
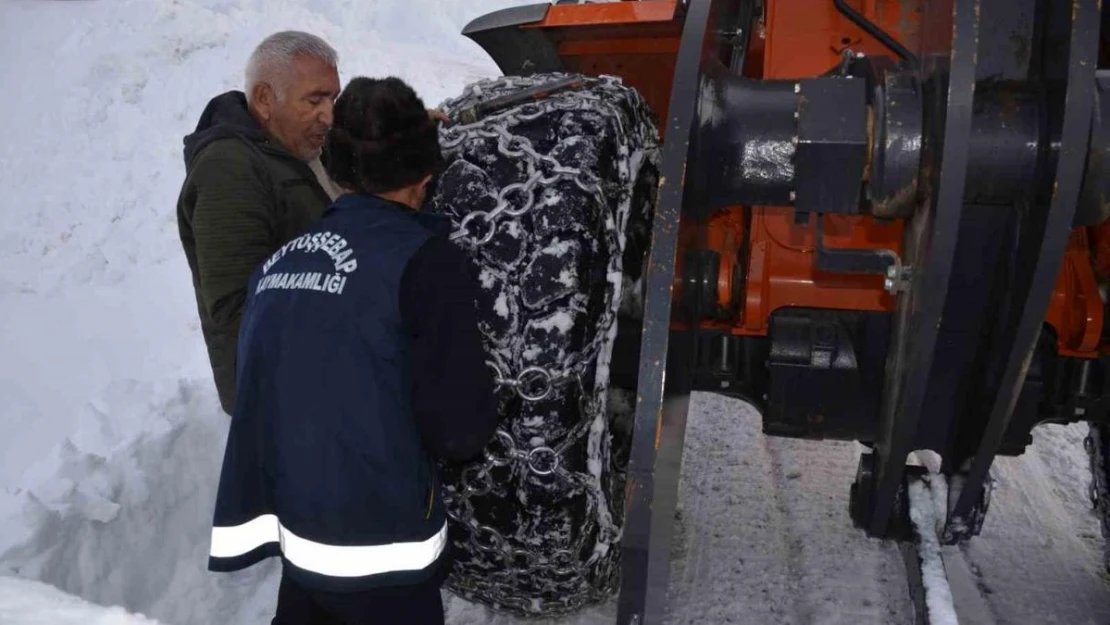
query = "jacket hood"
x=225 y=116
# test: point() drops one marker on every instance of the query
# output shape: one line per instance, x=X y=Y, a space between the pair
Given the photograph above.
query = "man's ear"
x=262 y=96
x=421 y=193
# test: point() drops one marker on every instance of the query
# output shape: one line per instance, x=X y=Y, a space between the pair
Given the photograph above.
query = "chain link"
x=522 y=572
x=516 y=147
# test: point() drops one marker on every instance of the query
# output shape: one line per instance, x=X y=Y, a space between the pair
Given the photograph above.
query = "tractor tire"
x=551 y=200
x=1098 y=452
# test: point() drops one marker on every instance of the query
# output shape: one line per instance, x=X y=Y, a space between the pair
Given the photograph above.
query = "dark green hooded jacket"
x=244 y=196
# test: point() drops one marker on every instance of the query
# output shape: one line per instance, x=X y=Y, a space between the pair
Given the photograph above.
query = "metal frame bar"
x=930 y=248
x=1048 y=250
x=666 y=375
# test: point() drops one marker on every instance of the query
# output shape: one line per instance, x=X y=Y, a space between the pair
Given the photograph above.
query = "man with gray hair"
x=253 y=182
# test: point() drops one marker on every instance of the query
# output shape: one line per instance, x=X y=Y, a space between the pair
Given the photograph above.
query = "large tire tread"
x=535 y=525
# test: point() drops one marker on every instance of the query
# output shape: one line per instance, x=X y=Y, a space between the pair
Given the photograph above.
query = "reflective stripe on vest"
x=333 y=560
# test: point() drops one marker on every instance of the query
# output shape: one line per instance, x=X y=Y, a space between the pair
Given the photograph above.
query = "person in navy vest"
x=359 y=365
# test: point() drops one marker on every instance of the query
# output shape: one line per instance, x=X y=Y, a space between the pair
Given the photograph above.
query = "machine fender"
x=517 y=51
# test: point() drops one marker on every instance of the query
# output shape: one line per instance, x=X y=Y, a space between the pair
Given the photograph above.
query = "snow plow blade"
x=898 y=239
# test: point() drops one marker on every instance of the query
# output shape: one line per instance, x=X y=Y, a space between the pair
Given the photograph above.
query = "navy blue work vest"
x=324 y=464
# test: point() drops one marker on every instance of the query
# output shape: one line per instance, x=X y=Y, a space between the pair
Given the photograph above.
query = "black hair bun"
x=382 y=138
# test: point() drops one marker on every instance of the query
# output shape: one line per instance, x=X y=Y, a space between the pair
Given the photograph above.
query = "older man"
x=253 y=181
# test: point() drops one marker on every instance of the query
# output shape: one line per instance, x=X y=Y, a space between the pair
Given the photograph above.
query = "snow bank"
x=127 y=524
x=26 y=602
x=112 y=433
x=93 y=283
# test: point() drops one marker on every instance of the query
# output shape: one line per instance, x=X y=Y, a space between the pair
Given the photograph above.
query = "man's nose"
x=326 y=113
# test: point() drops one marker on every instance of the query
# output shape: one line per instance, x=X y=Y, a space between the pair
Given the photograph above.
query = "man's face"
x=301 y=118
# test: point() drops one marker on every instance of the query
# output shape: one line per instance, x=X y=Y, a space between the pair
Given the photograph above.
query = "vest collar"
x=439 y=224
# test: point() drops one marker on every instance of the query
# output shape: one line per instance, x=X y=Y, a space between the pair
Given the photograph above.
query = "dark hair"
x=382 y=138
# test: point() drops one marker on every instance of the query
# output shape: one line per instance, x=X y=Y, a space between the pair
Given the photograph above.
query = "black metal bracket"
x=958 y=530
x=861 y=500
x=836 y=356
x=890 y=42
x=867 y=261
x=861 y=503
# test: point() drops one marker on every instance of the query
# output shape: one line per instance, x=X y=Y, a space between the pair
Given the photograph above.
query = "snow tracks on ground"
x=766 y=534
x=1038 y=559
x=767 y=537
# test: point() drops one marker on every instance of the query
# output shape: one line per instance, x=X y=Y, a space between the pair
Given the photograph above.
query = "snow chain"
x=1098 y=448
x=558 y=580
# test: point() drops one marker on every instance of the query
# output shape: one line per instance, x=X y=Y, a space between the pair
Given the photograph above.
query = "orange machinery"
x=877 y=220
x=793 y=39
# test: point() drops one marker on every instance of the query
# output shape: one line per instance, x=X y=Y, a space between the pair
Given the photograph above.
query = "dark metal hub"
x=896 y=132
x=832 y=145
x=1005 y=144
x=854 y=143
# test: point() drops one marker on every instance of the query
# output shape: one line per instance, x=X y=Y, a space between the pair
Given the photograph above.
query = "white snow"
x=27 y=602
x=559 y=247
x=561 y=321
x=550 y=197
x=97 y=98
x=128 y=524
x=501 y=306
x=112 y=434
x=923 y=514
x=487 y=279
x=568 y=279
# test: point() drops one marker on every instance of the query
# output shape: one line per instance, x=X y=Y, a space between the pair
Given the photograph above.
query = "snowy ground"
x=112 y=435
x=26 y=602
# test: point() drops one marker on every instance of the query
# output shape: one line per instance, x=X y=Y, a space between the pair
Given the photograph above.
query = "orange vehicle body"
x=639 y=39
